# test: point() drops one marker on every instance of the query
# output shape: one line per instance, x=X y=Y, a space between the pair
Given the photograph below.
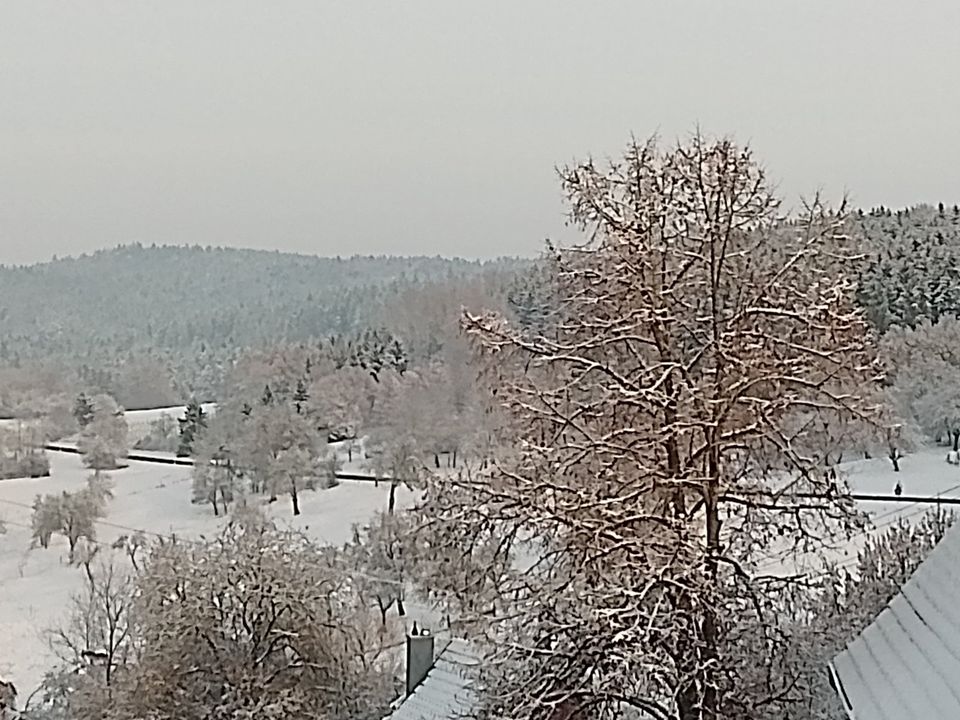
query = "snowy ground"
x=36 y=585
x=139 y=421
x=924 y=474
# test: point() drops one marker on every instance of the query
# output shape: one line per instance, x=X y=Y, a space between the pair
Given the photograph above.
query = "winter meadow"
x=666 y=472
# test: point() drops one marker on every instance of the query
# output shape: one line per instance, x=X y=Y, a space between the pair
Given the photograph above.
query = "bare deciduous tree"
x=98 y=633
x=654 y=450
x=379 y=551
x=253 y=624
x=73 y=515
x=214 y=470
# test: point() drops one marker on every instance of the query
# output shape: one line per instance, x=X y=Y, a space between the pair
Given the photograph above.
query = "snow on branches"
x=661 y=442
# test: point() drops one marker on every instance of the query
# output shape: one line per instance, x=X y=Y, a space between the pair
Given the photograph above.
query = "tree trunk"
x=392 y=503
x=436 y=460
x=295 y=498
x=349 y=452
x=956 y=440
x=401 y=610
x=213 y=501
x=895 y=459
x=673 y=452
x=709 y=700
x=454 y=458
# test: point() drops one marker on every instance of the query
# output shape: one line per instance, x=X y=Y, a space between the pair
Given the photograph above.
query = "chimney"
x=419 y=657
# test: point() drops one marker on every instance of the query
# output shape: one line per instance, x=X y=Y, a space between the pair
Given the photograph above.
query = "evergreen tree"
x=300 y=396
x=83 y=410
x=267 y=398
x=397 y=357
x=192 y=422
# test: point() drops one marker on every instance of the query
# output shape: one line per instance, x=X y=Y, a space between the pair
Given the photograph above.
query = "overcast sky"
x=434 y=127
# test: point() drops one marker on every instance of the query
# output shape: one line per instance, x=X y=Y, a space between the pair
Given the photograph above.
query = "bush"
x=31 y=465
x=329 y=468
x=164 y=436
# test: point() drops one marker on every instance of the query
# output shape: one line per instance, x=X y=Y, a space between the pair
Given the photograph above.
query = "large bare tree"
x=661 y=446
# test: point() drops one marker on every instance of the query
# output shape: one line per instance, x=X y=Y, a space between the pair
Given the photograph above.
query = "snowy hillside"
x=36 y=585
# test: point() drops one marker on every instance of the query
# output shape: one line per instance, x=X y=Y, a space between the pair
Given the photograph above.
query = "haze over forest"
x=427 y=128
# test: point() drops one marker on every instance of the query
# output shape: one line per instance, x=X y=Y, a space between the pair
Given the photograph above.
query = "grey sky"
x=433 y=127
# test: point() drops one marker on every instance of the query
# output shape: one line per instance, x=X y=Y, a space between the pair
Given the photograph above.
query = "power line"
x=190 y=462
x=355 y=574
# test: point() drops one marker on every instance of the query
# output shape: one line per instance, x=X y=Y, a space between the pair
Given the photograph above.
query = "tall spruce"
x=300 y=396
x=83 y=410
x=192 y=422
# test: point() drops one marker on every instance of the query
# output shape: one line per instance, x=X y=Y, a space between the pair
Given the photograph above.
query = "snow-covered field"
x=139 y=421
x=925 y=474
x=36 y=585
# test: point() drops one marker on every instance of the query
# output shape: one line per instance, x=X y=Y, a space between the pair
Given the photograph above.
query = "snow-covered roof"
x=906 y=664
x=447 y=692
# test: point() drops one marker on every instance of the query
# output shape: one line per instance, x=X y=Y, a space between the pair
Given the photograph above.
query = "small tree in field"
x=83 y=410
x=191 y=425
x=73 y=515
x=98 y=632
x=381 y=553
x=163 y=436
x=45 y=520
x=279 y=451
x=215 y=470
x=103 y=441
x=654 y=451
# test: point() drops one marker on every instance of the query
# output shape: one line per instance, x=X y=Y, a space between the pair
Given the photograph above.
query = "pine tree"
x=83 y=410
x=300 y=396
x=192 y=422
x=397 y=357
x=267 y=398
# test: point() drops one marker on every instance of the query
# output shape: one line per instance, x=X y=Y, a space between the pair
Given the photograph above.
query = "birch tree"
x=653 y=454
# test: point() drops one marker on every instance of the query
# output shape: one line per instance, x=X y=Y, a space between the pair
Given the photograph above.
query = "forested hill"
x=912 y=268
x=179 y=304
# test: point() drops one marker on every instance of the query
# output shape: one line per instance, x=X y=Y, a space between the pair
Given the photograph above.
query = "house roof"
x=906 y=664
x=447 y=691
